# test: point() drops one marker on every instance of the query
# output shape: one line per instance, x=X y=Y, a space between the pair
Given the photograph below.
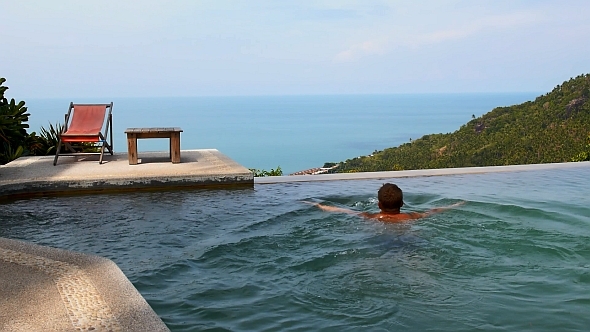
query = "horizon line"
x=296 y=95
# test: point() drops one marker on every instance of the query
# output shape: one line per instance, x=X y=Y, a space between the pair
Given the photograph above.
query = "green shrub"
x=261 y=172
x=48 y=139
x=584 y=155
x=14 y=139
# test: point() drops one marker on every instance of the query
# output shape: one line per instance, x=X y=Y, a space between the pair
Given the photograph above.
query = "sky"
x=148 y=48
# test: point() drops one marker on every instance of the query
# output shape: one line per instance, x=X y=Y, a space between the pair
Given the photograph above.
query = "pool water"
x=515 y=257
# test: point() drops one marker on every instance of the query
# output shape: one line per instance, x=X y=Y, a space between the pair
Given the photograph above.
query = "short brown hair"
x=390 y=196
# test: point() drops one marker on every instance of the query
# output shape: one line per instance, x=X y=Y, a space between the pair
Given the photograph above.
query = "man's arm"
x=411 y=215
x=418 y=215
x=441 y=209
x=333 y=208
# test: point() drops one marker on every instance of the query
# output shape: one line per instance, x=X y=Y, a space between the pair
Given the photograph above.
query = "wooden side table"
x=135 y=133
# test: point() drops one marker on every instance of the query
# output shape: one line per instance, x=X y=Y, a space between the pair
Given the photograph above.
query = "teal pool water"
x=515 y=257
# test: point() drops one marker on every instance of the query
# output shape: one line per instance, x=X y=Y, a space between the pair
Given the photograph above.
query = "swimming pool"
x=516 y=256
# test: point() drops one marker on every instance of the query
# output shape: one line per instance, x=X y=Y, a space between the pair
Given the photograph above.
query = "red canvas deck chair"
x=84 y=124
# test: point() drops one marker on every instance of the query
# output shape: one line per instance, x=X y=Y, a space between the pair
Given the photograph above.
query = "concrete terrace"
x=36 y=176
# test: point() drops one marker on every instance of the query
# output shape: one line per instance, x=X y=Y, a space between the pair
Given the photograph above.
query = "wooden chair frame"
x=98 y=137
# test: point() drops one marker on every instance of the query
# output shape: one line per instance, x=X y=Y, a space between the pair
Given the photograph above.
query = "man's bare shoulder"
x=398 y=217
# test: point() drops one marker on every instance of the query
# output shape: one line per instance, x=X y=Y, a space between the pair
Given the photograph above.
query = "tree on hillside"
x=584 y=155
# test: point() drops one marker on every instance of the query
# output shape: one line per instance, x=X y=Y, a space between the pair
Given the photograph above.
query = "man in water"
x=391 y=199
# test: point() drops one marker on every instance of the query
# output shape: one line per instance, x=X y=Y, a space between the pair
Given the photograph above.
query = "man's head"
x=390 y=197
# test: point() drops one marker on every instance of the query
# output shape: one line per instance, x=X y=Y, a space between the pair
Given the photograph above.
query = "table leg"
x=132 y=148
x=175 y=147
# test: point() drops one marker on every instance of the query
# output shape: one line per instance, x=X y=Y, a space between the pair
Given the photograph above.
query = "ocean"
x=293 y=132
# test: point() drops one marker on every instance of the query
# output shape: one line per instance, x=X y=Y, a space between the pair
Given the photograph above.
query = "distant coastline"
x=315 y=171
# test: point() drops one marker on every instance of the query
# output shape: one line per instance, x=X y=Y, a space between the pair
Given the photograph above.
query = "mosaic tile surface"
x=86 y=308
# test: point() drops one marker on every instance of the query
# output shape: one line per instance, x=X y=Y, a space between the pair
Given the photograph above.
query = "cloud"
x=361 y=50
x=497 y=22
x=400 y=38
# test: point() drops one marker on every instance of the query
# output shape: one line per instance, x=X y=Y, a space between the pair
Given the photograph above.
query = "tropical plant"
x=9 y=154
x=14 y=139
x=49 y=138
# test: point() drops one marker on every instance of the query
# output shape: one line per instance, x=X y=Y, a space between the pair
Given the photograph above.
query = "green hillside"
x=552 y=128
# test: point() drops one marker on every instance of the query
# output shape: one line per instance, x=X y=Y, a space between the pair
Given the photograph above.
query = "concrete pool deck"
x=48 y=289
x=36 y=175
